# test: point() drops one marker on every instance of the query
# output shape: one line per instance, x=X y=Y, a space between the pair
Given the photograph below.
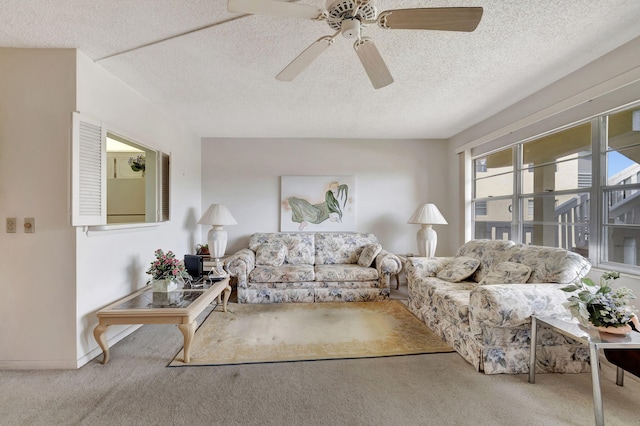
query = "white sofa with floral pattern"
x=313 y=267
x=481 y=302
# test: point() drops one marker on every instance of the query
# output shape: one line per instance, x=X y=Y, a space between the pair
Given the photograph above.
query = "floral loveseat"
x=481 y=301
x=312 y=267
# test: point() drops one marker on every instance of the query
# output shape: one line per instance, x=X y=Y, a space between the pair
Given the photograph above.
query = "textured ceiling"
x=220 y=80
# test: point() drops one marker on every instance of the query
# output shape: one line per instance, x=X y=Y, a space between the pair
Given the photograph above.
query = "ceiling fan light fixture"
x=350 y=28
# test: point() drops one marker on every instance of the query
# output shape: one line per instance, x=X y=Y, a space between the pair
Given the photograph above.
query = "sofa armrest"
x=422 y=267
x=509 y=305
x=240 y=264
x=387 y=263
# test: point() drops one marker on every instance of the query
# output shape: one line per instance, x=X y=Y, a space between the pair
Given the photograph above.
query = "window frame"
x=598 y=190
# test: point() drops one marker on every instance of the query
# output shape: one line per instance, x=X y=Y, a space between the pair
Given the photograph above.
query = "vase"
x=164 y=285
x=625 y=329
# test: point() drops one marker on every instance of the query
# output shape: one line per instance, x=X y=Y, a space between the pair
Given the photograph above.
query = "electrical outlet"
x=29 y=225
x=11 y=225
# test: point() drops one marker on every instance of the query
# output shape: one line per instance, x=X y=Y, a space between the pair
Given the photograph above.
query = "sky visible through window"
x=617 y=163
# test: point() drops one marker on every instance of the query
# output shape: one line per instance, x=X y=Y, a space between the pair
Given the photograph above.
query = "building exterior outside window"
x=549 y=191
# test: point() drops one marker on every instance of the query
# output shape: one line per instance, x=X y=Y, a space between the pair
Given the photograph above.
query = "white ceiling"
x=220 y=80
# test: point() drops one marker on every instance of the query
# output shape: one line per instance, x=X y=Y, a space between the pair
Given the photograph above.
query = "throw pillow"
x=507 y=273
x=459 y=269
x=368 y=255
x=271 y=254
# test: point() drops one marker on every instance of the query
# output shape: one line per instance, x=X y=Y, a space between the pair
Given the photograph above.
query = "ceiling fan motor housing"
x=341 y=11
x=350 y=28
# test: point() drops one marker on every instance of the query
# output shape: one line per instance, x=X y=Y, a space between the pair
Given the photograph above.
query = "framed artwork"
x=317 y=203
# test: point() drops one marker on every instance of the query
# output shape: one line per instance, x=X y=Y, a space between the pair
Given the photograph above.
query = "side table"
x=403 y=262
x=591 y=337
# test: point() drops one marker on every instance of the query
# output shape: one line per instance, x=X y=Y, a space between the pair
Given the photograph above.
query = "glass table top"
x=179 y=298
x=571 y=328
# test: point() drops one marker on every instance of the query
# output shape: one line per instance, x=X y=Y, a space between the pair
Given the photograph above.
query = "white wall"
x=111 y=265
x=57 y=278
x=392 y=177
x=37 y=307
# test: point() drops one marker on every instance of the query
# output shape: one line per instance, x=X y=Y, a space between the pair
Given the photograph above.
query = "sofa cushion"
x=300 y=245
x=282 y=274
x=452 y=300
x=459 y=269
x=368 y=255
x=333 y=248
x=271 y=254
x=550 y=264
x=488 y=252
x=345 y=273
x=507 y=273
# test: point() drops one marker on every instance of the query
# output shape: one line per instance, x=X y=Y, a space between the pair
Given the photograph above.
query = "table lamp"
x=427 y=215
x=217 y=215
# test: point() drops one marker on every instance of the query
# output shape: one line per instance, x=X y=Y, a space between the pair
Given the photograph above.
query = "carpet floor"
x=255 y=333
x=137 y=388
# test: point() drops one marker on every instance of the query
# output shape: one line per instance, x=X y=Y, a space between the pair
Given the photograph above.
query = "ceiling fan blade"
x=373 y=63
x=274 y=8
x=437 y=18
x=303 y=60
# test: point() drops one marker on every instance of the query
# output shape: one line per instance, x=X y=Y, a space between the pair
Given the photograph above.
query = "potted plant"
x=166 y=270
x=602 y=306
x=138 y=163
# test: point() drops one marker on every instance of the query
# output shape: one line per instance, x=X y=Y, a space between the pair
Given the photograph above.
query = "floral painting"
x=317 y=203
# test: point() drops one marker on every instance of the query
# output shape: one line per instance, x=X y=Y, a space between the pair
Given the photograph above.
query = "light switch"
x=11 y=225
x=29 y=225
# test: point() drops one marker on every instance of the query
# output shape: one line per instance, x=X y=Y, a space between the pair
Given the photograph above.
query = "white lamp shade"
x=217 y=214
x=428 y=214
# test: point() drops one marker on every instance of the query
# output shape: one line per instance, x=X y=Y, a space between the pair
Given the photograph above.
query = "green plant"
x=137 y=163
x=166 y=266
x=600 y=304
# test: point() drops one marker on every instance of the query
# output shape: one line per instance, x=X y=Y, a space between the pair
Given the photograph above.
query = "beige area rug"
x=281 y=332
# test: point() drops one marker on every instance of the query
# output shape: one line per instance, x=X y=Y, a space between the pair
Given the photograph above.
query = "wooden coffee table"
x=179 y=307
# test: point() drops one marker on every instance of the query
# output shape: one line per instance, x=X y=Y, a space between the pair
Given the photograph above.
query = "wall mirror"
x=131 y=185
x=116 y=180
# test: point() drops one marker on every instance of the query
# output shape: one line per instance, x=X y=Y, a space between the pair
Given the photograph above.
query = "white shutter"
x=88 y=176
x=164 y=187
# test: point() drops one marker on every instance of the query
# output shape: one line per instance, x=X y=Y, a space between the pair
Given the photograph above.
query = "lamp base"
x=427 y=241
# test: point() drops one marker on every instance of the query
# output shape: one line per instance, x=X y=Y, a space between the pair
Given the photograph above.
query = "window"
x=114 y=179
x=492 y=190
x=481 y=208
x=621 y=190
x=541 y=191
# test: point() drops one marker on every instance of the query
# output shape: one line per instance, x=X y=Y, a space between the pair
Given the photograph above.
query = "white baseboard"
x=97 y=351
x=38 y=365
x=66 y=364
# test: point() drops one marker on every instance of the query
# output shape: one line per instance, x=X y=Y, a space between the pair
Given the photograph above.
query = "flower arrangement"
x=166 y=266
x=137 y=163
x=600 y=304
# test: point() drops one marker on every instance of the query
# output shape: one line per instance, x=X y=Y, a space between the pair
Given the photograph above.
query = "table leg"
x=532 y=350
x=188 y=330
x=227 y=293
x=595 y=384
x=619 y=376
x=99 y=333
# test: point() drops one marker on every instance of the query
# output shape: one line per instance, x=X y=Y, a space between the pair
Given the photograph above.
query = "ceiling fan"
x=349 y=17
